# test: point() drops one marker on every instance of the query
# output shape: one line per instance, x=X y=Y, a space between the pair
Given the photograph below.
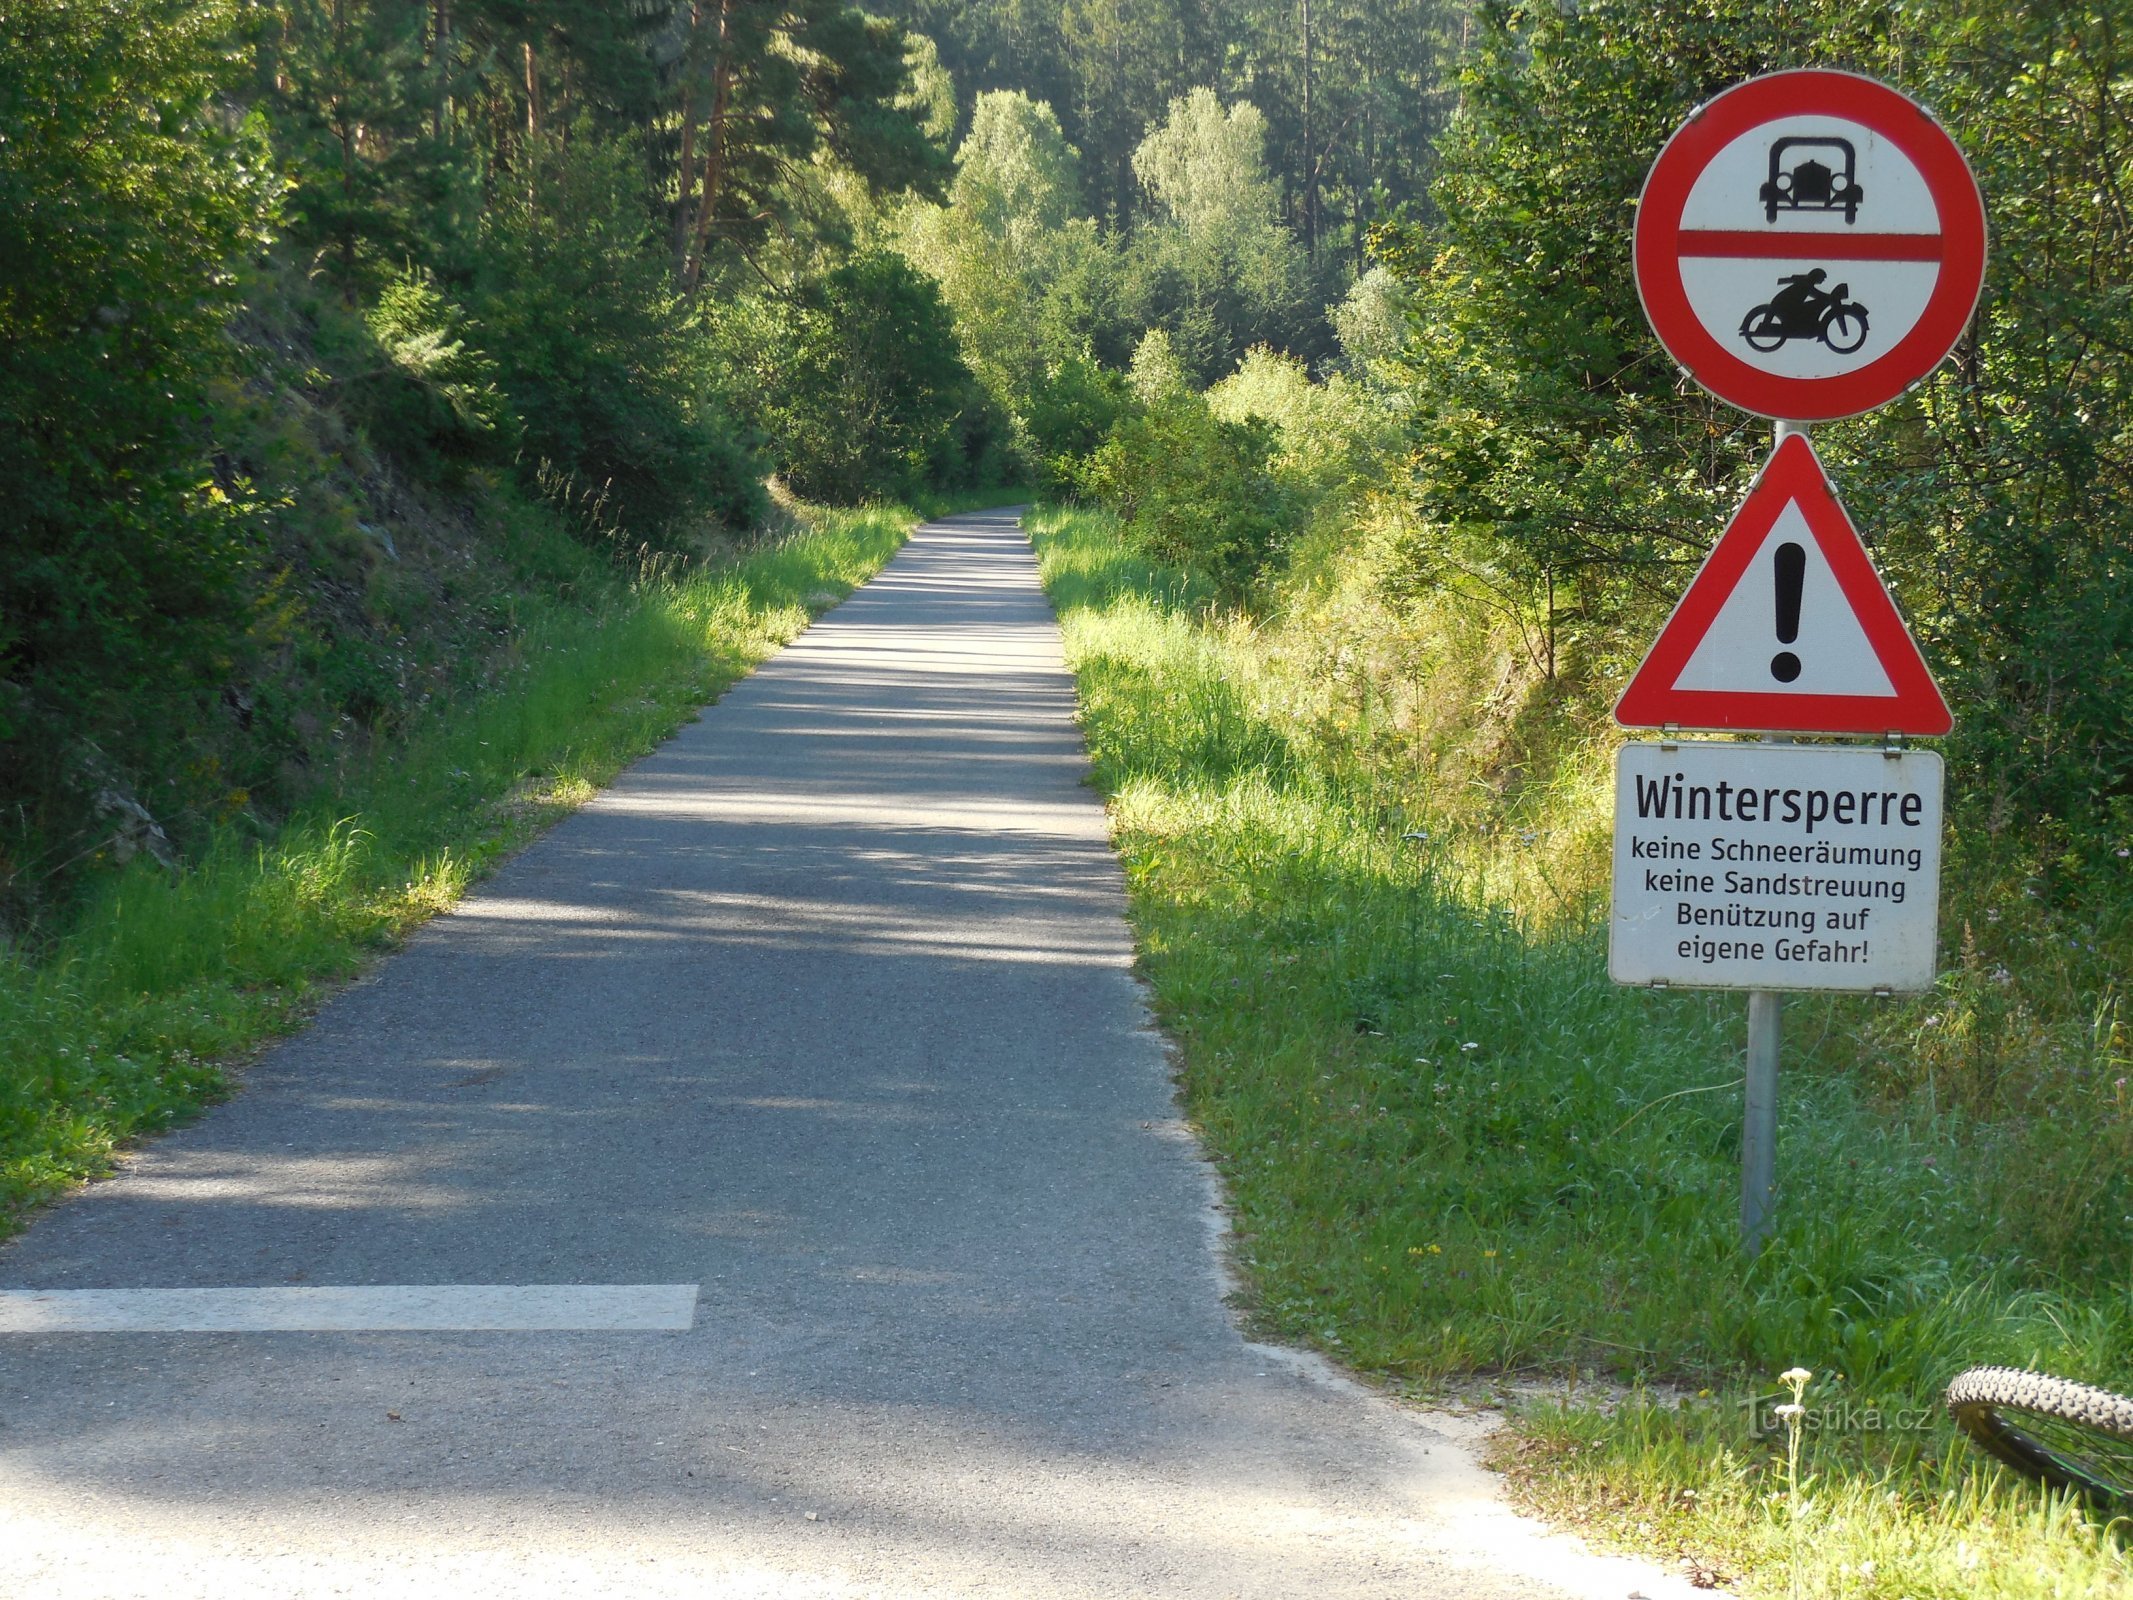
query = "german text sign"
x=1809 y=245
x=1752 y=866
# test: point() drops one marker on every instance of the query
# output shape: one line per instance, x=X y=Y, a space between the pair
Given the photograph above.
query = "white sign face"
x=1846 y=242
x=1759 y=866
x=1821 y=646
x=1809 y=245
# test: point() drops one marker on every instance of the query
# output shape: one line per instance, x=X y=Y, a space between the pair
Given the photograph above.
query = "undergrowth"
x=1455 y=1148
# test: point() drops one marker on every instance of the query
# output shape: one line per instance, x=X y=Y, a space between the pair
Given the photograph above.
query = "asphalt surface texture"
x=825 y=1008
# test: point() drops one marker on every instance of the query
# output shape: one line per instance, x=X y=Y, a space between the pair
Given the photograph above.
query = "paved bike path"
x=824 y=1010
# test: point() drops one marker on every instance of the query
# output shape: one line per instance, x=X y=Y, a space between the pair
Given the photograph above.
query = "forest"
x=351 y=347
x=281 y=276
x=280 y=273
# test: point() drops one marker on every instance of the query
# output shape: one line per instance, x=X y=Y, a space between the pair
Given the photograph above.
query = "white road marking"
x=364 y=1308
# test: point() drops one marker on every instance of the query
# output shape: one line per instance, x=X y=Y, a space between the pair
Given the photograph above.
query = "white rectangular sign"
x=1773 y=866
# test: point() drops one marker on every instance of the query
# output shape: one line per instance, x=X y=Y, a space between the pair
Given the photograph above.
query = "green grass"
x=131 y=1017
x=1455 y=1148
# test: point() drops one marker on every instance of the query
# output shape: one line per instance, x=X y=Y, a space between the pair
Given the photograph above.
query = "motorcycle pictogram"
x=1803 y=309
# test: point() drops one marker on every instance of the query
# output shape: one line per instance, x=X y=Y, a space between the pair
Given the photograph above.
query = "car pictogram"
x=1808 y=183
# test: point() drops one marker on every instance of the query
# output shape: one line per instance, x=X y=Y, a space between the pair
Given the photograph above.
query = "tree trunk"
x=533 y=94
x=344 y=123
x=1310 y=206
x=441 y=65
x=685 y=165
x=714 y=150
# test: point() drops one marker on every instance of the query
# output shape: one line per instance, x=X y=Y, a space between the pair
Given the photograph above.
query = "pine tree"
x=354 y=117
x=762 y=88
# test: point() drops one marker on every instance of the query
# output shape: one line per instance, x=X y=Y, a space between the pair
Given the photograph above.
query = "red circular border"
x=1810 y=92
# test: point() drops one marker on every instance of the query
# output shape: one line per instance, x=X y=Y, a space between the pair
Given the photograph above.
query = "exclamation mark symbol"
x=1790 y=563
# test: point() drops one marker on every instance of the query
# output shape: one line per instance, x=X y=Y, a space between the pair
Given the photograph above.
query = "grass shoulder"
x=1454 y=1148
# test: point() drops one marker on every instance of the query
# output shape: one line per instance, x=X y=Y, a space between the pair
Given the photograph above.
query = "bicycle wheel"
x=2066 y=1434
x=1846 y=331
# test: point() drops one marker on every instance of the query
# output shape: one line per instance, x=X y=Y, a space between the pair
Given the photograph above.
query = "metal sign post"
x=1759 y=1129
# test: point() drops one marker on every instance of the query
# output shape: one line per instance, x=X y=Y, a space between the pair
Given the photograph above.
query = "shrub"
x=128 y=208
x=1194 y=491
x=612 y=387
x=1070 y=414
x=417 y=380
x=863 y=389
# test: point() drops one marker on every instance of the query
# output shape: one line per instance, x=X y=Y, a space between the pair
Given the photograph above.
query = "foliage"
x=420 y=383
x=1069 y=413
x=1043 y=296
x=594 y=352
x=1011 y=256
x=1353 y=92
x=1333 y=441
x=128 y=209
x=1157 y=374
x=1216 y=268
x=1205 y=168
x=860 y=384
x=348 y=120
x=1370 y=324
x=766 y=89
x=1192 y=490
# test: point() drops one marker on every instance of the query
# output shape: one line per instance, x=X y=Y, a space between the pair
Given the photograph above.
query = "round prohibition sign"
x=1809 y=245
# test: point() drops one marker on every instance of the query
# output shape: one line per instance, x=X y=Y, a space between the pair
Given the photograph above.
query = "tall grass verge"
x=131 y=1016
x=1455 y=1148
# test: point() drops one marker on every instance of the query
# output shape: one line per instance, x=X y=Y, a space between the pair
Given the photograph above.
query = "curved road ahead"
x=767 y=1184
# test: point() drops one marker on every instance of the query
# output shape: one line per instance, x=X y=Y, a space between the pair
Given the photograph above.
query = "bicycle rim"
x=2097 y=1463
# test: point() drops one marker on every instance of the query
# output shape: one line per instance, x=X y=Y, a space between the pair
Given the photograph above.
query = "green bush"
x=1069 y=415
x=1194 y=491
x=613 y=388
x=416 y=378
x=862 y=388
x=128 y=208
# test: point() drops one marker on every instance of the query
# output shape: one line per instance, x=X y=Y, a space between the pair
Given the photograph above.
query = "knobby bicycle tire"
x=2067 y=1434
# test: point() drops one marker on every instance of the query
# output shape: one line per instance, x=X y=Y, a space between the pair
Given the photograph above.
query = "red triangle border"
x=1793 y=473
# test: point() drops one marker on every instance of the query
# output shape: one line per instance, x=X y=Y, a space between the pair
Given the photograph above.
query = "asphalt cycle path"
x=768 y=1183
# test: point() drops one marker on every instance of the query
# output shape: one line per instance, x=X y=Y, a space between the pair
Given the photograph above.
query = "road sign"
x=1787 y=627
x=1809 y=245
x=1766 y=866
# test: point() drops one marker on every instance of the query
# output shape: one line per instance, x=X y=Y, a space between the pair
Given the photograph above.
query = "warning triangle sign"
x=1787 y=627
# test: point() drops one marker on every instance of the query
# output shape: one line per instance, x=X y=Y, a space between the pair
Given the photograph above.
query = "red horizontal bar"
x=1804 y=246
